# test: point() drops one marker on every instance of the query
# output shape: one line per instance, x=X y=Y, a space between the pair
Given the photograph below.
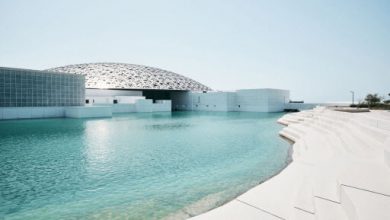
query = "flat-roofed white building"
x=246 y=100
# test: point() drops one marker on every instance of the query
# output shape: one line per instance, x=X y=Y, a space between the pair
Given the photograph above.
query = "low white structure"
x=246 y=100
x=340 y=170
x=126 y=101
x=54 y=112
x=31 y=112
x=92 y=100
x=88 y=112
x=162 y=106
x=138 y=105
x=100 y=96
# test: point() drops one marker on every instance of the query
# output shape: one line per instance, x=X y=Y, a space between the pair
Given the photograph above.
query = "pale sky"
x=319 y=50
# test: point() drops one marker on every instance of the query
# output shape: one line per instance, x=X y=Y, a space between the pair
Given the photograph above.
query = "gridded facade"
x=30 y=88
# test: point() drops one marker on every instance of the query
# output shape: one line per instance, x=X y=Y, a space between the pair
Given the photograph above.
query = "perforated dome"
x=130 y=76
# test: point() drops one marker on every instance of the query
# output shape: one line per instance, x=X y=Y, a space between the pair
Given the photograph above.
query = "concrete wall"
x=213 y=101
x=107 y=96
x=162 y=106
x=100 y=100
x=97 y=110
x=251 y=100
x=54 y=112
x=144 y=105
x=88 y=112
x=262 y=100
x=96 y=100
x=123 y=108
x=277 y=98
x=31 y=112
x=140 y=105
x=128 y=99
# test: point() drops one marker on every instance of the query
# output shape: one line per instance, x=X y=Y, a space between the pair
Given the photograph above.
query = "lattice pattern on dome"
x=130 y=76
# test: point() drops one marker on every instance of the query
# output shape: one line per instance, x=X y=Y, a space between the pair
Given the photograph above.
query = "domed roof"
x=130 y=76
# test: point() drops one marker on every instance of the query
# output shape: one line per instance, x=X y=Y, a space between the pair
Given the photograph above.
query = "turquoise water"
x=134 y=166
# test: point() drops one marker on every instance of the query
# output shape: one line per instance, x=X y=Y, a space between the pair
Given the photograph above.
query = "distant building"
x=244 y=100
x=100 y=89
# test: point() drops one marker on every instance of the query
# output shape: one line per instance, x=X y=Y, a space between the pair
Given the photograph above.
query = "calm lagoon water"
x=134 y=166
